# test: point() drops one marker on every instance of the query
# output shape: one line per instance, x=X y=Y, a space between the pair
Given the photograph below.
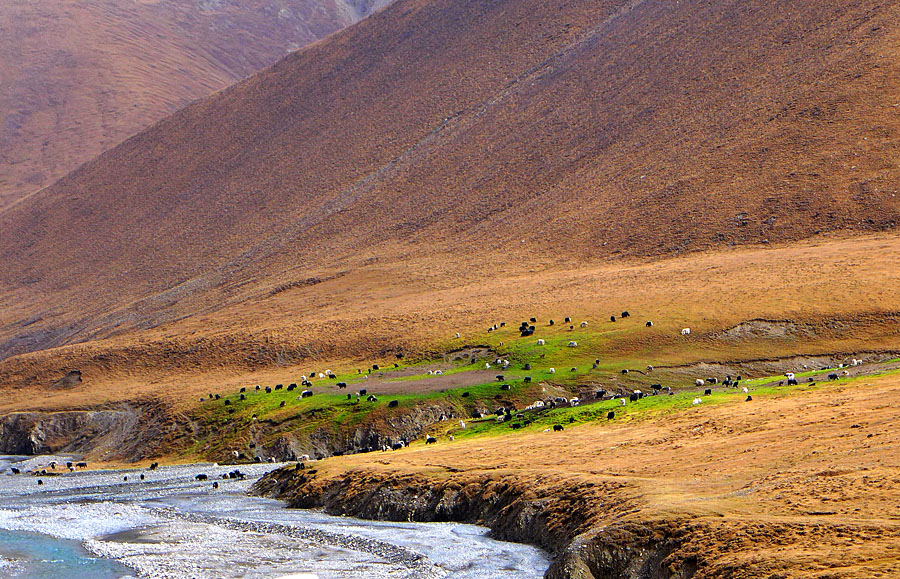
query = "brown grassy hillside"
x=840 y=292
x=800 y=486
x=471 y=138
x=77 y=77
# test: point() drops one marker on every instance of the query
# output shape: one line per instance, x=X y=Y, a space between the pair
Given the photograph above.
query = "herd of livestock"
x=506 y=411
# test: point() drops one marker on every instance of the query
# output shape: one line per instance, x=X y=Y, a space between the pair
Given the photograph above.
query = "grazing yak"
x=557 y=428
x=393 y=403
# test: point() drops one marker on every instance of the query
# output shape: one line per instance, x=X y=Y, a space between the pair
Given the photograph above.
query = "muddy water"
x=171 y=525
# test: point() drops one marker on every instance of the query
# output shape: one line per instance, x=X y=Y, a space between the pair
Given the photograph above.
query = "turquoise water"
x=41 y=557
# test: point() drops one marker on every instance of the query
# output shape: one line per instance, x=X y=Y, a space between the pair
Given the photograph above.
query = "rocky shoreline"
x=575 y=522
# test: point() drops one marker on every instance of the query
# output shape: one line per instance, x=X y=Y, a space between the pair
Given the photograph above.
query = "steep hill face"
x=77 y=77
x=488 y=132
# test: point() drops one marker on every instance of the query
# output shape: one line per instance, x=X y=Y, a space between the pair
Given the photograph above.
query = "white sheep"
x=574 y=402
x=438 y=372
x=487 y=366
x=451 y=438
x=541 y=342
x=744 y=390
x=698 y=382
x=321 y=375
x=686 y=332
x=553 y=370
x=583 y=324
x=457 y=335
x=623 y=401
x=462 y=424
x=573 y=344
x=697 y=401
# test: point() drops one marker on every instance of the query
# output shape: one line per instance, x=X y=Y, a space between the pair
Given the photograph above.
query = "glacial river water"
x=96 y=525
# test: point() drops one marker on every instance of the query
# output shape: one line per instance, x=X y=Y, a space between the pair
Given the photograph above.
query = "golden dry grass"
x=799 y=485
x=843 y=288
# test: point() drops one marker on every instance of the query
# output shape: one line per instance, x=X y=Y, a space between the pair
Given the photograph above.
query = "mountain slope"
x=485 y=132
x=78 y=77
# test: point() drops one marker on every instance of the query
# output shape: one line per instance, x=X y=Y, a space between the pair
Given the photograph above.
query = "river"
x=169 y=525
